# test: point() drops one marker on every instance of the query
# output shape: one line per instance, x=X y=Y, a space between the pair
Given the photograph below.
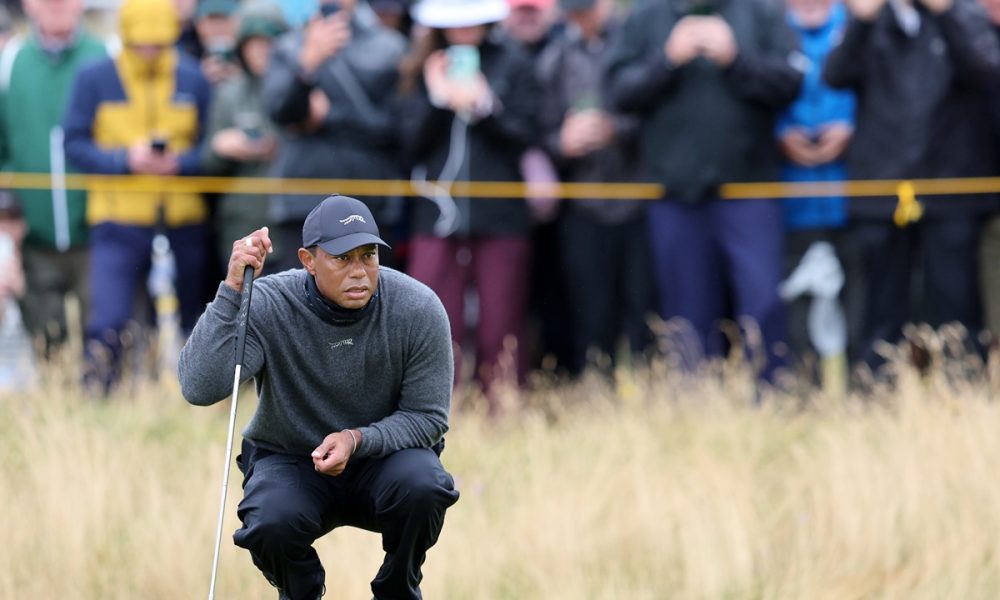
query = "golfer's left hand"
x=330 y=457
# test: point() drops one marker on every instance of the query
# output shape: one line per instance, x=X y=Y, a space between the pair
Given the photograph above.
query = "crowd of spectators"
x=690 y=94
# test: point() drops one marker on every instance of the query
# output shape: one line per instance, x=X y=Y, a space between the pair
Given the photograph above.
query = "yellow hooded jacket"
x=118 y=103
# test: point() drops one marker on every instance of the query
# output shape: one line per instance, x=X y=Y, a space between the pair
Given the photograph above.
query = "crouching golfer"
x=353 y=369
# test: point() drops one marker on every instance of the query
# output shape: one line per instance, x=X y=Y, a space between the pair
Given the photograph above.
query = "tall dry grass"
x=660 y=488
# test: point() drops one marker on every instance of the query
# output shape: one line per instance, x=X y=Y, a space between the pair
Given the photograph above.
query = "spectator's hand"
x=865 y=10
x=142 y=160
x=167 y=164
x=601 y=128
x=319 y=108
x=267 y=147
x=436 y=76
x=331 y=456
x=323 y=38
x=718 y=44
x=234 y=144
x=468 y=97
x=573 y=136
x=464 y=97
x=585 y=132
x=683 y=44
x=833 y=141
x=217 y=70
x=11 y=282
x=799 y=149
x=937 y=6
x=251 y=250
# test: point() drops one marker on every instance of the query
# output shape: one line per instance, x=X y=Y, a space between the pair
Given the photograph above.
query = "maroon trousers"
x=498 y=269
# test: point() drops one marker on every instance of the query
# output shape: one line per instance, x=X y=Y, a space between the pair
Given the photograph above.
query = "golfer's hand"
x=250 y=250
x=330 y=457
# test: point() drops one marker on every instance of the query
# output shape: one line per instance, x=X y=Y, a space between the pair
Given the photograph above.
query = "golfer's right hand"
x=251 y=250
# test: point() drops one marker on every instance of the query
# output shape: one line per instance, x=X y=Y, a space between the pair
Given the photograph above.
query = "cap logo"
x=352 y=219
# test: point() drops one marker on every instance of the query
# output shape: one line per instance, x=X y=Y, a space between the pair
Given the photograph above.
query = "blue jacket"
x=818 y=105
x=116 y=103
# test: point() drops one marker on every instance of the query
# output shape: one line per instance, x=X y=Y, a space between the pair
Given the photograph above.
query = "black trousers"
x=943 y=253
x=287 y=505
x=608 y=274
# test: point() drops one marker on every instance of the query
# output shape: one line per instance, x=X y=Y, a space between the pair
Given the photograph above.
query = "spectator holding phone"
x=814 y=133
x=470 y=104
x=330 y=89
x=922 y=72
x=142 y=113
x=602 y=246
x=708 y=80
x=216 y=24
x=241 y=140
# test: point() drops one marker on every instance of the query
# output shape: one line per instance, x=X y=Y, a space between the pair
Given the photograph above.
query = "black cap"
x=340 y=224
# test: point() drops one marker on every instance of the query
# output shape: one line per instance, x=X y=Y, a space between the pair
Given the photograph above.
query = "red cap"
x=532 y=3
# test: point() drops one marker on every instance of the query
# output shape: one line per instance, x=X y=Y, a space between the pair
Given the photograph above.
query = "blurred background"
x=723 y=279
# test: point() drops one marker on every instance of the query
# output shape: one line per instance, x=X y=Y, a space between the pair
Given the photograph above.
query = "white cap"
x=443 y=14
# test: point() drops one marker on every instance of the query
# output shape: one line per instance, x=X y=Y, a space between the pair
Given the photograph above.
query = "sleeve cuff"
x=437 y=100
x=229 y=296
x=371 y=442
x=488 y=106
x=305 y=79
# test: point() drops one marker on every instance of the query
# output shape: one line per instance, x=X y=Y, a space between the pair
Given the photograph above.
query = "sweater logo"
x=352 y=219
x=347 y=342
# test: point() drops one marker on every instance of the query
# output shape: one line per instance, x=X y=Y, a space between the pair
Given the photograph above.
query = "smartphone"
x=221 y=51
x=158 y=145
x=328 y=10
x=253 y=133
x=463 y=62
x=702 y=8
x=586 y=101
x=249 y=123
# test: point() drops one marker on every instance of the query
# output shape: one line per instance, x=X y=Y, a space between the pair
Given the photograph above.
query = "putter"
x=241 y=338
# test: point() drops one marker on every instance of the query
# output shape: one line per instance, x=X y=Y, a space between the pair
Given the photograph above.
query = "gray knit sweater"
x=389 y=374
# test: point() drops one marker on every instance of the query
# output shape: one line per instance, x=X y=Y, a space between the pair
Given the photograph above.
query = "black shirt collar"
x=331 y=312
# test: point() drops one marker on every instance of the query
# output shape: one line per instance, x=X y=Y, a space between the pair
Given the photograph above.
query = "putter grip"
x=244 y=316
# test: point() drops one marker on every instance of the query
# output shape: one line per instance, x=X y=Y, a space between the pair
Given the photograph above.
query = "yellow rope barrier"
x=493 y=189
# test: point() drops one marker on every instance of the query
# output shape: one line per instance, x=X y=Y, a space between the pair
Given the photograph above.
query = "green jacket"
x=237 y=104
x=34 y=86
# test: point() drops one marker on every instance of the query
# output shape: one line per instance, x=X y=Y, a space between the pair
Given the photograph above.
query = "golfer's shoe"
x=283 y=596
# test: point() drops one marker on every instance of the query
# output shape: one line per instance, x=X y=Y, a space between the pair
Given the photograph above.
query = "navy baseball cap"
x=340 y=224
